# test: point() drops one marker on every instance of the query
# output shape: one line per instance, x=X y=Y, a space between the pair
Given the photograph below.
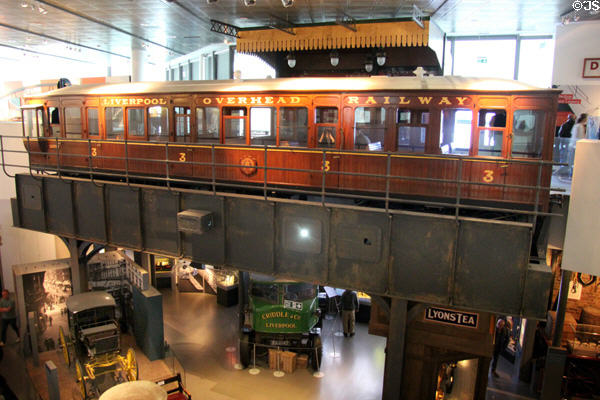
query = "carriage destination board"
x=452 y=317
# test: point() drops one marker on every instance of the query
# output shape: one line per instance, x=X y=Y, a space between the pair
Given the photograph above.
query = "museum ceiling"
x=165 y=29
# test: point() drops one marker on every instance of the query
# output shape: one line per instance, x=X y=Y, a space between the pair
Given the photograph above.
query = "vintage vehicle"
x=281 y=314
x=407 y=140
x=94 y=339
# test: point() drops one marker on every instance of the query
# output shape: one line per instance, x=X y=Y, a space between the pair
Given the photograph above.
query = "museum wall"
x=20 y=246
x=574 y=42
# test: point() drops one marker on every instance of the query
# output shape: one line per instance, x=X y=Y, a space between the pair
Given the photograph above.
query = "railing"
x=321 y=194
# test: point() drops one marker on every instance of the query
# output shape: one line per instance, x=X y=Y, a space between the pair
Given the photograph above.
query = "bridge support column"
x=78 y=268
x=394 y=359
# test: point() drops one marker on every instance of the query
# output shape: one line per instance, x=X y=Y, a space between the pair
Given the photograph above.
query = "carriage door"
x=74 y=149
x=92 y=131
x=182 y=152
x=328 y=136
x=529 y=129
x=33 y=128
x=490 y=146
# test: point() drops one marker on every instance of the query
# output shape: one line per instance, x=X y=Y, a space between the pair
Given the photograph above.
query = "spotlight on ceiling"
x=369 y=65
x=291 y=59
x=24 y=5
x=380 y=57
x=211 y=1
x=287 y=3
x=249 y=3
x=334 y=57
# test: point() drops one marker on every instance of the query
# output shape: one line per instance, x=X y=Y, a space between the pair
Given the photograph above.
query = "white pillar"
x=137 y=64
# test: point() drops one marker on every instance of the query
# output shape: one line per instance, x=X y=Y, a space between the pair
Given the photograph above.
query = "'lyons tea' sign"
x=452 y=317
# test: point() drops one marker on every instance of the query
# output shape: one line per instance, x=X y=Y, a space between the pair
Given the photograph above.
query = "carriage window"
x=29 y=123
x=135 y=122
x=528 y=133
x=207 y=120
x=234 y=125
x=262 y=125
x=182 y=123
x=490 y=140
x=54 y=118
x=299 y=292
x=293 y=126
x=265 y=292
x=73 y=122
x=114 y=122
x=92 y=122
x=412 y=130
x=326 y=115
x=455 y=137
x=158 y=122
x=369 y=128
x=492 y=118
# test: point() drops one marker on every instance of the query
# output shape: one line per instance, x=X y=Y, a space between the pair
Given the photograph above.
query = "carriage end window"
x=263 y=128
x=411 y=130
x=114 y=122
x=158 y=123
x=528 y=133
x=455 y=135
x=92 y=122
x=182 y=123
x=54 y=118
x=369 y=128
x=29 y=123
x=293 y=126
x=135 y=122
x=207 y=122
x=73 y=122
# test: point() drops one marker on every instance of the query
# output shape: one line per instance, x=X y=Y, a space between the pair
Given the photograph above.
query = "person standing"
x=500 y=342
x=349 y=307
x=567 y=127
x=579 y=129
x=9 y=316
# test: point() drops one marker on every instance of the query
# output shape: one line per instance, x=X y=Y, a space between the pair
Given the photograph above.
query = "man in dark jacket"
x=565 y=128
x=500 y=342
x=349 y=307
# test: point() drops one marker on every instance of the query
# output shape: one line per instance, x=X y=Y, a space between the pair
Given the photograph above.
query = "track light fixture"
x=334 y=57
x=380 y=57
x=287 y=3
x=211 y=1
x=291 y=59
x=249 y=3
x=369 y=65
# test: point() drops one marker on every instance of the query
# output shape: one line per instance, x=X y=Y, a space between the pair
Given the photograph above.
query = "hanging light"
x=369 y=65
x=334 y=57
x=287 y=3
x=291 y=59
x=380 y=57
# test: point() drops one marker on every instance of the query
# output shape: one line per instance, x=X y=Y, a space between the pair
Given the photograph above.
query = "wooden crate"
x=288 y=359
x=302 y=361
x=274 y=357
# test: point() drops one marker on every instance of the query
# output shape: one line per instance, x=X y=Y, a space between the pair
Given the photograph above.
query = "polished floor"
x=203 y=337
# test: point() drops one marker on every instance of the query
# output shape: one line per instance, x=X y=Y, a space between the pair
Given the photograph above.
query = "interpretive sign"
x=452 y=317
x=591 y=68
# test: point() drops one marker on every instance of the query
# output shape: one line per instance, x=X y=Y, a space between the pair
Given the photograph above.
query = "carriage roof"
x=329 y=84
x=86 y=301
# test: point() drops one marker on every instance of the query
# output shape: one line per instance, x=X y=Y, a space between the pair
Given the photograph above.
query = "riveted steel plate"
x=250 y=235
x=159 y=216
x=303 y=234
x=359 y=249
x=537 y=290
x=208 y=247
x=422 y=257
x=491 y=265
x=124 y=225
x=59 y=207
x=90 y=215
x=29 y=194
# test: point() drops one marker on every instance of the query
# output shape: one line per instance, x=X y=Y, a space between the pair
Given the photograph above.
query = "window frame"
x=136 y=137
x=504 y=130
x=278 y=125
x=428 y=127
x=245 y=117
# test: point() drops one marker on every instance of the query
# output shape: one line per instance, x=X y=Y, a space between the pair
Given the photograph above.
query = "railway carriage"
x=449 y=138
